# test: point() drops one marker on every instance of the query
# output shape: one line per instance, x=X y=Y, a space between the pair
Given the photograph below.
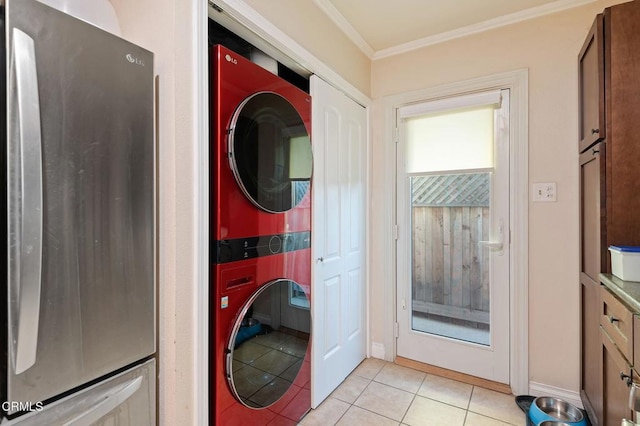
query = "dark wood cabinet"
x=609 y=146
x=622 y=95
x=616 y=381
x=592 y=262
x=610 y=158
x=591 y=379
x=617 y=336
x=591 y=86
x=593 y=248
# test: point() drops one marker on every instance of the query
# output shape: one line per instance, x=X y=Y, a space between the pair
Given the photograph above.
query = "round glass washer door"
x=268 y=344
x=270 y=152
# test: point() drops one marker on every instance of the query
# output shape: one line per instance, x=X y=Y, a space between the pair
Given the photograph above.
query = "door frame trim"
x=245 y=21
x=517 y=82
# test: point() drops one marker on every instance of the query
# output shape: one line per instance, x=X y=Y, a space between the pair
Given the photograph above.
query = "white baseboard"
x=539 y=389
x=377 y=350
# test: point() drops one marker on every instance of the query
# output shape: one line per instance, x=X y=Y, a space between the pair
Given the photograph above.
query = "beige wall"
x=548 y=47
x=160 y=32
x=304 y=22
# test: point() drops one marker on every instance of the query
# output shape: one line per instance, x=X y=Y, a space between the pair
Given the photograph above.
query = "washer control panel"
x=266 y=245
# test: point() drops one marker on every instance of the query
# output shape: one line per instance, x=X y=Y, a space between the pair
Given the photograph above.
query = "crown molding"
x=498 y=22
x=239 y=17
x=327 y=7
x=338 y=18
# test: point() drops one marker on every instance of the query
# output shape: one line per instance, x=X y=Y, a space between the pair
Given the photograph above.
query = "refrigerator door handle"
x=109 y=402
x=25 y=203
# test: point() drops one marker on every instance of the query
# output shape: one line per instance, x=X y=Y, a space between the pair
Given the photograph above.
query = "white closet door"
x=339 y=135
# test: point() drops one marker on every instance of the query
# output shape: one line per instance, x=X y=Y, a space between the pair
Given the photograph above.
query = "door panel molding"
x=339 y=276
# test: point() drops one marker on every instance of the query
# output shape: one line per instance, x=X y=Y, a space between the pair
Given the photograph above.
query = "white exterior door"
x=338 y=298
x=453 y=234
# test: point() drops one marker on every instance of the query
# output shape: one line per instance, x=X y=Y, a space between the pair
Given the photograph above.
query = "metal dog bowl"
x=549 y=409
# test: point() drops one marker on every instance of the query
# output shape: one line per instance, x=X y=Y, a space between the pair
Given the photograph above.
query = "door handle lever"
x=496 y=245
x=492 y=244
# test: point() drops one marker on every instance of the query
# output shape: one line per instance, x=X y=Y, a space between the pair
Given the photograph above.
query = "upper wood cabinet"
x=609 y=111
x=609 y=66
x=591 y=86
x=622 y=95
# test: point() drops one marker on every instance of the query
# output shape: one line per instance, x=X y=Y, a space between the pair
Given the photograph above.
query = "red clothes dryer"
x=260 y=234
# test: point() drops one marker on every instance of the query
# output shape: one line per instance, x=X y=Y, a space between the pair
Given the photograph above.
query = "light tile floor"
x=383 y=393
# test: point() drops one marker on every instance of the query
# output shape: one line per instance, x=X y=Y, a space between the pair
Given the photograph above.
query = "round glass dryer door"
x=270 y=152
x=268 y=344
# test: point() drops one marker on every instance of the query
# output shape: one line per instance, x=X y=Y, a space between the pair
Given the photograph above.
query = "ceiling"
x=383 y=28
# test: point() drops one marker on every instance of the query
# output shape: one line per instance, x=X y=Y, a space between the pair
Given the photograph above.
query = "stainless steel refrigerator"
x=78 y=303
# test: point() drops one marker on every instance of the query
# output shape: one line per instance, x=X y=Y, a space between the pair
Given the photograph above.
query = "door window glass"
x=450 y=287
x=450 y=163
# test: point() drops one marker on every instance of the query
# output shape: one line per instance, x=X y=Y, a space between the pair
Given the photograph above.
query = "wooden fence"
x=450 y=268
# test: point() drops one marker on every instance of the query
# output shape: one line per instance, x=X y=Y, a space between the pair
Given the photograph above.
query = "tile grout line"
x=372 y=378
x=351 y=404
x=409 y=406
x=414 y=398
x=415 y=394
x=466 y=411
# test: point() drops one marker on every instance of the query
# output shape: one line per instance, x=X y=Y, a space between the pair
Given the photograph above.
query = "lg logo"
x=234 y=61
x=134 y=60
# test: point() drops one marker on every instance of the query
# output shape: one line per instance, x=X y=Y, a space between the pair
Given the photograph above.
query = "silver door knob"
x=319 y=260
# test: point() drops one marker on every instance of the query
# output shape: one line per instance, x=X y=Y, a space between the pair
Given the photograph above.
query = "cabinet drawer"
x=617 y=320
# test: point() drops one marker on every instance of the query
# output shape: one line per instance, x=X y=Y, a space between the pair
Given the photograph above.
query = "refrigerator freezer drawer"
x=127 y=399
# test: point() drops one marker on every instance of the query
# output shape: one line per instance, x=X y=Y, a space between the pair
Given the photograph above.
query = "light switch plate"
x=544 y=192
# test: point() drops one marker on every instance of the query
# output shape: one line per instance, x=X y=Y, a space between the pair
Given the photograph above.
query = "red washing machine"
x=260 y=234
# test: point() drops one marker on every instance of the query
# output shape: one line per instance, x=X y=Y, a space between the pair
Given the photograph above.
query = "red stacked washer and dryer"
x=261 y=165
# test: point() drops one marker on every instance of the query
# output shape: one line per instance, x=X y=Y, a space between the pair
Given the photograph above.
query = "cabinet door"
x=592 y=214
x=591 y=380
x=591 y=86
x=616 y=379
x=622 y=53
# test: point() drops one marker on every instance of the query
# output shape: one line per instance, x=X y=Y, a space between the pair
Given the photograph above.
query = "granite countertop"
x=628 y=291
